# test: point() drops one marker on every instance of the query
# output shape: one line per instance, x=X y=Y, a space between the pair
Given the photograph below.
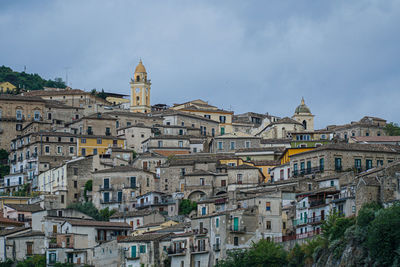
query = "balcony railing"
x=176 y=251
x=306 y=171
x=198 y=249
x=237 y=229
x=106 y=188
x=200 y=231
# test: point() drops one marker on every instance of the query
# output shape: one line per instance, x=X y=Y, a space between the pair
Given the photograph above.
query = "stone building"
x=135 y=135
x=303 y=115
x=367 y=126
x=280 y=129
x=167 y=145
x=203 y=109
x=94 y=124
x=335 y=158
x=119 y=187
x=207 y=126
x=232 y=142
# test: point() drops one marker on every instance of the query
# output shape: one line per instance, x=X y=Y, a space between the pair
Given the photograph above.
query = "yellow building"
x=6 y=87
x=12 y=200
x=140 y=90
x=153 y=227
x=203 y=109
x=285 y=158
x=93 y=145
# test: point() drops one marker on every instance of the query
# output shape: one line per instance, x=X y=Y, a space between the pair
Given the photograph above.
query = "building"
x=203 y=109
x=7 y=87
x=311 y=138
x=367 y=126
x=20 y=212
x=280 y=129
x=97 y=144
x=235 y=141
x=138 y=218
x=167 y=145
x=140 y=90
x=303 y=115
x=119 y=187
x=384 y=140
x=335 y=158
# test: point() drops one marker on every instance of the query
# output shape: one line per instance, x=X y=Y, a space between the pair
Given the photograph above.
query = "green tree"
x=383 y=239
x=186 y=206
x=34 y=261
x=88 y=188
x=392 y=129
x=89 y=209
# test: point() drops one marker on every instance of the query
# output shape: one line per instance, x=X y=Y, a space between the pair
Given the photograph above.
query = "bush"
x=335 y=226
x=89 y=209
x=34 y=261
x=186 y=206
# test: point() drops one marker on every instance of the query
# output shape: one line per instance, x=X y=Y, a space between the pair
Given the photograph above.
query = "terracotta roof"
x=7 y=221
x=9 y=97
x=25 y=207
x=92 y=223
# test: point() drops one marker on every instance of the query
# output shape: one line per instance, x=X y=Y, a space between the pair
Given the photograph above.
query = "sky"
x=262 y=56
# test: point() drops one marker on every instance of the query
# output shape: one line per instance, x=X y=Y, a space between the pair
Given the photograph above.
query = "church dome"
x=140 y=68
x=302 y=108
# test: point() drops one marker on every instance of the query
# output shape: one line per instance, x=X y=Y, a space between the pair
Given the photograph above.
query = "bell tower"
x=140 y=90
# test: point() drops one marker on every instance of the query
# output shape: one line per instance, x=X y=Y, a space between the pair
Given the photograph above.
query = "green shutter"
x=133 y=251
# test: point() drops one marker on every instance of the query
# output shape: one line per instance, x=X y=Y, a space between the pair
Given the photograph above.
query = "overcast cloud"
x=261 y=56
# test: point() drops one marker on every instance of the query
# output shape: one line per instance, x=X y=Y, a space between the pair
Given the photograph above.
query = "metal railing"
x=237 y=229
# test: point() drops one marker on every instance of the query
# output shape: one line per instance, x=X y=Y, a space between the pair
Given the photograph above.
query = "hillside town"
x=116 y=180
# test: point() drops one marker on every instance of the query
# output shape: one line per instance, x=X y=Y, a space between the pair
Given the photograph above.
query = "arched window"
x=304 y=124
x=137 y=100
x=137 y=78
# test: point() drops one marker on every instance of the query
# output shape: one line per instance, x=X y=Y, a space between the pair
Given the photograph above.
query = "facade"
x=140 y=90
x=97 y=144
x=232 y=142
x=367 y=126
x=303 y=115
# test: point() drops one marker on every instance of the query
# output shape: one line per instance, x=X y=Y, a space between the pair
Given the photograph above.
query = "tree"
x=88 y=187
x=34 y=261
x=89 y=209
x=262 y=253
x=186 y=206
x=392 y=129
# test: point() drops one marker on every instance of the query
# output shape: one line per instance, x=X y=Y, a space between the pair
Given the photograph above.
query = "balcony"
x=319 y=202
x=176 y=251
x=216 y=247
x=106 y=188
x=200 y=231
x=110 y=201
x=302 y=172
x=316 y=219
x=198 y=249
x=237 y=229
x=298 y=222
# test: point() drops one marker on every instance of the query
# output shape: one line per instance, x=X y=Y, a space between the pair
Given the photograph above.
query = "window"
x=117 y=124
x=357 y=164
x=332 y=183
x=75 y=184
x=207 y=116
x=309 y=166
x=222 y=130
x=19 y=114
x=180 y=132
x=268 y=206
x=29 y=248
x=52 y=258
x=217 y=222
x=71 y=150
x=99 y=141
x=89 y=130
x=220 y=145
x=338 y=164
x=232 y=145
x=367 y=134
x=94 y=151
x=18 y=127
x=368 y=164
x=83 y=151
x=47 y=149
x=147 y=182
x=62 y=198
x=119 y=196
x=248 y=143
x=203 y=211
x=180 y=143
x=160 y=143
x=379 y=162
x=239 y=178
x=302 y=167
x=133 y=182
x=106 y=197
x=223 y=183
x=142 y=249
x=222 y=119
x=183 y=171
x=59 y=149
x=108 y=131
x=268 y=225
x=236 y=241
x=295 y=169
x=106 y=183
x=321 y=164
x=83 y=140
x=36 y=115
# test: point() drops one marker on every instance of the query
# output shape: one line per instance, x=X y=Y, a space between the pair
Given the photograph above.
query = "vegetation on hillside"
x=4 y=167
x=186 y=206
x=392 y=129
x=89 y=209
x=370 y=239
x=27 y=81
